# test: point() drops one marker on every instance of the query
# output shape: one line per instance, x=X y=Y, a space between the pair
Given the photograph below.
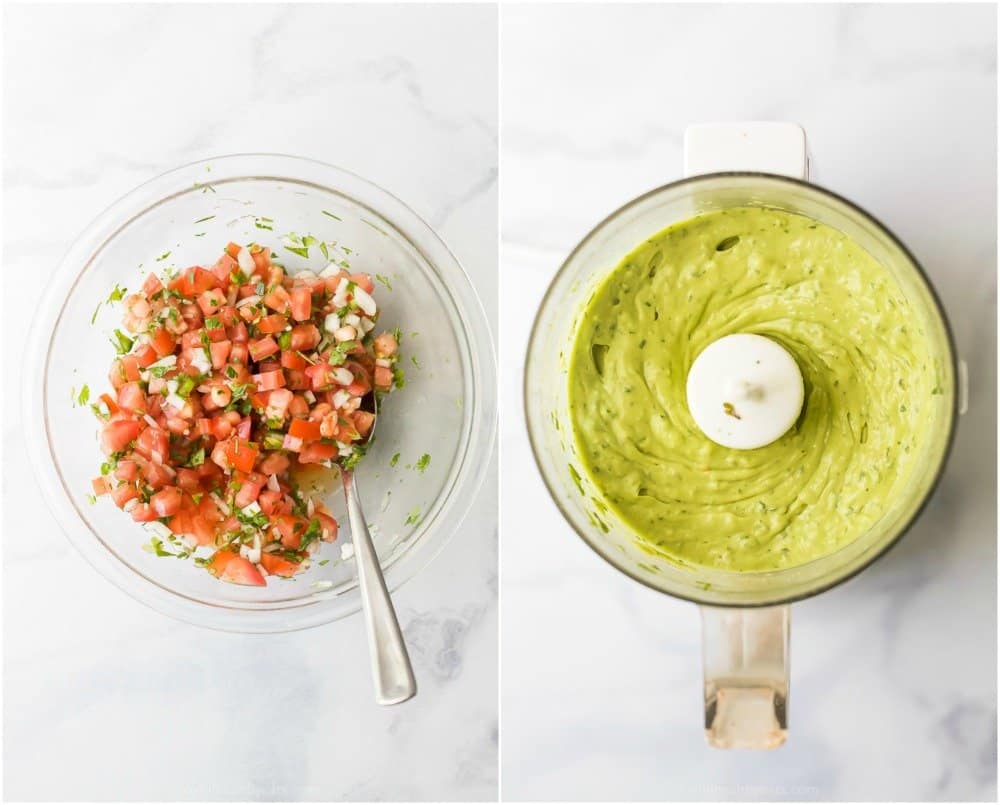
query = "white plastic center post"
x=744 y=391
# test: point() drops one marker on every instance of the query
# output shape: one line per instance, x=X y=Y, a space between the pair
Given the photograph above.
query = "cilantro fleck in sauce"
x=867 y=367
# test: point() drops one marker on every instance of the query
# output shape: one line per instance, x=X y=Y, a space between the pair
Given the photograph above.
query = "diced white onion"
x=367 y=325
x=310 y=397
x=223 y=506
x=251 y=509
x=310 y=507
x=149 y=420
x=131 y=504
x=342 y=376
x=345 y=451
x=365 y=301
x=164 y=363
x=340 y=398
x=384 y=362
x=353 y=319
x=346 y=551
x=330 y=271
x=201 y=361
x=331 y=323
x=346 y=333
x=304 y=274
x=272 y=483
x=175 y=401
x=234 y=292
x=245 y=259
x=249 y=300
x=172 y=386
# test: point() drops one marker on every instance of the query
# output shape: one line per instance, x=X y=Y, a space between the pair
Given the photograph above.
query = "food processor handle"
x=745 y=651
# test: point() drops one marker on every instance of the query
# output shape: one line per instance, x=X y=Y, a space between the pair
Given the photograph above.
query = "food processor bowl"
x=547 y=405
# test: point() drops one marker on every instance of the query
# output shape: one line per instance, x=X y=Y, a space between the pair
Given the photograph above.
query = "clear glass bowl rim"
x=692 y=182
x=476 y=337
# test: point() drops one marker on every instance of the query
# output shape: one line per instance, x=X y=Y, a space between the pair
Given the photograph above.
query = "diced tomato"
x=261 y=259
x=299 y=406
x=193 y=281
x=167 y=501
x=131 y=398
x=292 y=360
x=301 y=302
x=363 y=421
x=250 y=489
x=144 y=513
x=274 y=464
x=304 y=429
x=305 y=337
x=116 y=435
x=269 y=380
x=162 y=342
x=145 y=356
x=152 y=286
x=328 y=525
x=263 y=348
x=232 y=567
x=296 y=380
x=100 y=485
x=363 y=281
x=383 y=378
x=278 y=565
x=316 y=452
x=153 y=443
x=127 y=470
x=189 y=480
x=240 y=454
x=278 y=300
x=211 y=300
x=123 y=493
x=223 y=267
x=157 y=475
x=220 y=353
x=290 y=530
x=385 y=345
x=274 y=323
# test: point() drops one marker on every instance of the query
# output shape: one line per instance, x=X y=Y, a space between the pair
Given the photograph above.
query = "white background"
x=104 y=698
x=894 y=673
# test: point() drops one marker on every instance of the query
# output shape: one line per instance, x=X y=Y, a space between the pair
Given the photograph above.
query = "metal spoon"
x=393 y=675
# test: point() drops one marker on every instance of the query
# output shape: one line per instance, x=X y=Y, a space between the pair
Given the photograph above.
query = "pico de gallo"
x=229 y=380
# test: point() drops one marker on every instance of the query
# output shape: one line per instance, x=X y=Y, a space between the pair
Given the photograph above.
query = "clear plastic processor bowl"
x=447 y=408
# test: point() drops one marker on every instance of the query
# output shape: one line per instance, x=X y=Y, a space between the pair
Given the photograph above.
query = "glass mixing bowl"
x=546 y=389
x=447 y=408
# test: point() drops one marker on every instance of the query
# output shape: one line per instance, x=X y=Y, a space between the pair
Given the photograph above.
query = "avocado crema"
x=868 y=370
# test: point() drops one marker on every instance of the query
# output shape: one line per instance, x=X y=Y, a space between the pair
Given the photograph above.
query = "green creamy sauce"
x=867 y=367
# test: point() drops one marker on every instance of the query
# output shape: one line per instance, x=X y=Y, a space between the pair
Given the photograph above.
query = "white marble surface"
x=106 y=700
x=894 y=673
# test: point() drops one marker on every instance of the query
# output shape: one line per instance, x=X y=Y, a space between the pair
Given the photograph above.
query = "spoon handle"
x=393 y=675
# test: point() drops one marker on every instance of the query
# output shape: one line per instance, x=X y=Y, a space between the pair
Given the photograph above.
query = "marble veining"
x=124 y=702
x=893 y=673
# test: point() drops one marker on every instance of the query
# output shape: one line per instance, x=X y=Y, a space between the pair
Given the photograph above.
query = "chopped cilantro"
x=413 y=517
x=117 y=294
x=311 y=534
x=196 y=459
x=206 y=218
x=423 y=462
x=384 y=280
x=336 y=217
x=121 y=342
x=84 y=395
x=394 y=460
